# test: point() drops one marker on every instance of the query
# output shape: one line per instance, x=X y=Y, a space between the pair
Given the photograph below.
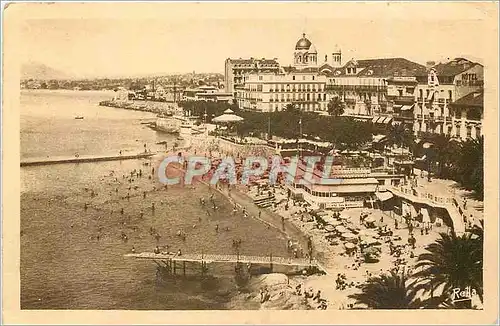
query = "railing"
x=403 y=99
x=440 y=200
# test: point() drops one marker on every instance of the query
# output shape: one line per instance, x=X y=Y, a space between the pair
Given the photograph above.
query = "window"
x=313 y=77
x=457 y=131
x=260 y=77
x=324 y=97
x=420 y=93
x=450 y=93
x=469 y=132
x=400 y=91
x=308 y=97
x=427 y=93
x=449 y=130
x=293 y=77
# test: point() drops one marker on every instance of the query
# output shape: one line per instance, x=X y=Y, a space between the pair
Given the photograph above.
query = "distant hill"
x=37 y=70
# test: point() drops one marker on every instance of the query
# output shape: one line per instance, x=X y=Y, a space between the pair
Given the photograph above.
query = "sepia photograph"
x=251 y=157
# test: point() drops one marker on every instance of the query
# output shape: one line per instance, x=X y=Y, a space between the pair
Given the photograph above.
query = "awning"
x=379 y=120
x=397 y=106
x=375 y=119
x=383 y=196
x=387 y=120
x=425 y=215
x=407 y=107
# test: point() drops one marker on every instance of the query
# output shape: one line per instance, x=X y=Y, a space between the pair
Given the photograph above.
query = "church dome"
x=303 y=43
x=312 y=49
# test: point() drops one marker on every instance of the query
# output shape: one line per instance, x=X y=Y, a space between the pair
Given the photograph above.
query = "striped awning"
x=387 y=120
x=407 y=107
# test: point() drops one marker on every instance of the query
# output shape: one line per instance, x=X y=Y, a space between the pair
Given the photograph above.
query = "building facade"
x=268 y=92
x=374 y=88
x=467 y=114
x=236 y=69
x=206 y=93
x=446 y=84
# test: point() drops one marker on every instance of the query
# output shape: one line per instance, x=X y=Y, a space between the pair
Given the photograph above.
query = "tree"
x=388 y=291
x=452 y=262
x=469 y=165
x=336 y=107
x=400 y=135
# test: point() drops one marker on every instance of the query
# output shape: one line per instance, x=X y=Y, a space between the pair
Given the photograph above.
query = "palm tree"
x=452 y=262
x=400 y=135
x=388 y=291
x=336 y=107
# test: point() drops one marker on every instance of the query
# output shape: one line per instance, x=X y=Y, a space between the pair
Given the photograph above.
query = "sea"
x=73 y=258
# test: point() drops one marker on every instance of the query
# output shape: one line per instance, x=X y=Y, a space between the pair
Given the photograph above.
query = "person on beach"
x=217 y=228
x=133 y=249
x=157 y=250
x=121 y=211
x=144 y=195
x=86 y=206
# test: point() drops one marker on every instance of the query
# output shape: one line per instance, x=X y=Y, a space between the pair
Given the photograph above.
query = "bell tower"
x=337 y=57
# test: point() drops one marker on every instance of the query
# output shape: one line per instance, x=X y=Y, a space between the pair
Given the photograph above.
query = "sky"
x=180 y=38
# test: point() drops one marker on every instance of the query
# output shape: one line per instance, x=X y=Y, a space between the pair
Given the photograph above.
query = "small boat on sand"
x=78 y=117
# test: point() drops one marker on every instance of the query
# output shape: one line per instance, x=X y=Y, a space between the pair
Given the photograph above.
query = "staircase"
x=264 y=202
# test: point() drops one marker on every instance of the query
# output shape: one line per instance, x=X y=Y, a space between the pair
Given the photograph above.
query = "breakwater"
x=145 y=106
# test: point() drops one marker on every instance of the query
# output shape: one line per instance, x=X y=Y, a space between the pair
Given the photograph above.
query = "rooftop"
x=384 y=67
x=454 y=67
x=474 y=99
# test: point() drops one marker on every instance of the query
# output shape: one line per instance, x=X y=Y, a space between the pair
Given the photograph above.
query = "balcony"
x=448 y=119
x=402 y=99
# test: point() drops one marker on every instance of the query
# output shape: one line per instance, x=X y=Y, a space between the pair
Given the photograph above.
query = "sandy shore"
x=331 y=254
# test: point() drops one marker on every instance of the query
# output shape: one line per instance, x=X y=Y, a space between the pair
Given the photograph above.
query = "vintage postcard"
x=266 y=162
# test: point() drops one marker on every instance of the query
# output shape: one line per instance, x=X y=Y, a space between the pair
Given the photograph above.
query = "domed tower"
x=337 y=57
x=305 y=54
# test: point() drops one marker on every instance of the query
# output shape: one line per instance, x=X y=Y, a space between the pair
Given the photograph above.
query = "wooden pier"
x=173 y=262
x=83 y=159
